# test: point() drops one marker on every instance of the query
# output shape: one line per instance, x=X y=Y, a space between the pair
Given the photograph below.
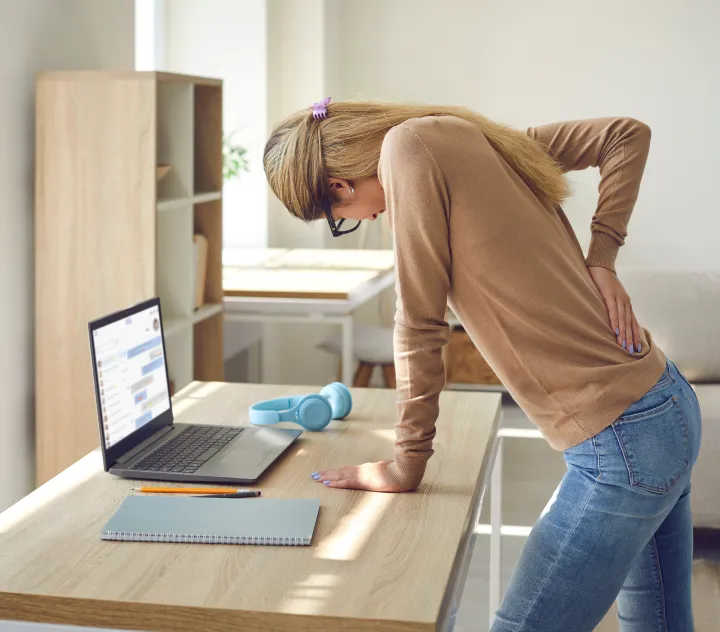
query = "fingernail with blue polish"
x=315 y=475
x=632 y=349
x=617 y=331
x=640 y=347
x=326 y=482
x=624 y=344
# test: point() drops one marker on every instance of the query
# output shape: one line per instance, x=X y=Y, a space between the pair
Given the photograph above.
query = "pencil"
x=240 y=495
x=189 y=490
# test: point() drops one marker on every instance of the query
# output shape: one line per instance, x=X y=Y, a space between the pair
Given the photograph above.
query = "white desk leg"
x=348 y=362
x=495 y=525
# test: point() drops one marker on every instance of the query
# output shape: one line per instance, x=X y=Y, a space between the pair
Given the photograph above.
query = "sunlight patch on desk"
x=183 y=405
x=308 y=595
x=60 y=485
x=387 y=434
x=194 y=394
x=348 y=539
x=206 y=390
x=189 y=390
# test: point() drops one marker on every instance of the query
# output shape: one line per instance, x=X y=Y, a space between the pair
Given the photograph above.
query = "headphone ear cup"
x=314 y=412
x=340 y=399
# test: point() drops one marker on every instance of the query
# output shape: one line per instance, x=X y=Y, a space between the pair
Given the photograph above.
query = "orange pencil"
x=188 y=490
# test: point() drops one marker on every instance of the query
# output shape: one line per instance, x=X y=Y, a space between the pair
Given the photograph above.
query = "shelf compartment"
x=179 y=352
x=174 y=265
x=175 y=139
x=208 y=349
x=206 y=311
x=206 y=196
x=175 y=325
x=208 y=136
x=208 y=222
x=170 y=204
x=172 y=326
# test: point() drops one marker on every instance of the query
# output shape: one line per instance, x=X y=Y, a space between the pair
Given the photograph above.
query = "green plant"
x=234 y=159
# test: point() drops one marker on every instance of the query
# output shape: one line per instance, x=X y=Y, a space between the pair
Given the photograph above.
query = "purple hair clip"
x=320 y=109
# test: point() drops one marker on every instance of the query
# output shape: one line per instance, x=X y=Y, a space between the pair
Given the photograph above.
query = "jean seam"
x=653 y=412
x=631 y=478
x=558 y=556
x=597 y=454
x=661 y=585
x=661 y=383
x=682 y=390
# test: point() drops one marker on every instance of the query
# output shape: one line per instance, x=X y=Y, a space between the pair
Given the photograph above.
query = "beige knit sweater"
x=468 y=232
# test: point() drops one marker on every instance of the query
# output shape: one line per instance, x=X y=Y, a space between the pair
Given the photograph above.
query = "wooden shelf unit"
x=109 y=234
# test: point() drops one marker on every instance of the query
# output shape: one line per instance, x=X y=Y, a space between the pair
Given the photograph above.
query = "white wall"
x=527 y=62
x=227 y=39
x=296 y=79
x=36 y=35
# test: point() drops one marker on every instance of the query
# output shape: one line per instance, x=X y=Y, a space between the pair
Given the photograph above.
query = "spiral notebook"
x=267 y=521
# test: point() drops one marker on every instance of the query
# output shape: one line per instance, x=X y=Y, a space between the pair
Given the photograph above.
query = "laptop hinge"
x=154 y=438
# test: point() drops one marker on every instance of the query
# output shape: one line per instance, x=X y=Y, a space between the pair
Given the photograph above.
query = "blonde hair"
x=302 y=152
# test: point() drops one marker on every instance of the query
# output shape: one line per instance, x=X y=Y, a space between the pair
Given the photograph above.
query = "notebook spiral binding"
x=189 y=538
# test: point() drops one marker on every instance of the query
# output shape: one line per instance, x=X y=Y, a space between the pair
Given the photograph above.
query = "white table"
x=325 y=286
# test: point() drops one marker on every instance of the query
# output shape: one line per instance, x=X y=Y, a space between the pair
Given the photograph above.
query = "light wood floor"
x=531 y=473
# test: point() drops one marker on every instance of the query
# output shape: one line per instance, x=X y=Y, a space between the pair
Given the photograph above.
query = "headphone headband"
x=272 y=411
x=312 y=412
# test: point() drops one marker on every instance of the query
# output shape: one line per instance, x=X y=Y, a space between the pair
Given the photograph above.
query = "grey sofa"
x=681 y=309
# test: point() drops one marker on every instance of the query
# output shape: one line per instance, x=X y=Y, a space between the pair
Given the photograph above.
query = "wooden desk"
x=380 y=562
x=305 y=285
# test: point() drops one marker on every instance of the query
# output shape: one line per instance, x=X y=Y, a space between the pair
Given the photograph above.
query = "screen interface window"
x=131 y=374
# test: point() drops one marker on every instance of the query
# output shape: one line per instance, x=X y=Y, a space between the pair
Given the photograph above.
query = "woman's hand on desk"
x=372 y=477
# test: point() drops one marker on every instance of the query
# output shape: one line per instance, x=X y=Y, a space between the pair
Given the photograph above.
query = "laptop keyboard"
x=189 y=450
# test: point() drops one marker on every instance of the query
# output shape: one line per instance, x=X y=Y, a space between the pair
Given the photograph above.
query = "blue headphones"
x=312 y=412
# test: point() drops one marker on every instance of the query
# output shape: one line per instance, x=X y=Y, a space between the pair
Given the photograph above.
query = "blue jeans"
x=618 y=526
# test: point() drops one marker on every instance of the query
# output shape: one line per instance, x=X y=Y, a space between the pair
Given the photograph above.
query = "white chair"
x=372 y=347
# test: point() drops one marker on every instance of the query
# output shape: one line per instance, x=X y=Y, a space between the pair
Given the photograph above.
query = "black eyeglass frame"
x=335 y=226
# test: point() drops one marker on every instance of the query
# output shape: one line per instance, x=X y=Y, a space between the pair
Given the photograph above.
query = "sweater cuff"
x=407 y=471
x=603 y=251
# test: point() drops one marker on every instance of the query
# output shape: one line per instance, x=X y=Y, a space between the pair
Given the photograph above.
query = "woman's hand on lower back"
x=620 y=312
x=371 y=477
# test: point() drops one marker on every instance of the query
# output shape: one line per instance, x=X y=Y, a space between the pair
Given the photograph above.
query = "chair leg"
x=363 y=375
x=389 y=375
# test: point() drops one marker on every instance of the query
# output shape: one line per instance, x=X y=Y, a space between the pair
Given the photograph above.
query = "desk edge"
x=472 y=517
x=134 y=615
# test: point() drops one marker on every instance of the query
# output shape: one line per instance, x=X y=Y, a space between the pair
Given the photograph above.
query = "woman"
x=475 y=213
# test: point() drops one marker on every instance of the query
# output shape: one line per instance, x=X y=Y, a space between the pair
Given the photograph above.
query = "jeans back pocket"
x=654 y=442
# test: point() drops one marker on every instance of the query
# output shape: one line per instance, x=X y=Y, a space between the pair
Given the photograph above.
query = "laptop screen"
x=132 y=381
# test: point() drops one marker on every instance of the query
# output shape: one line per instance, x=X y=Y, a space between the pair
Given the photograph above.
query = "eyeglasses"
x=335 y=226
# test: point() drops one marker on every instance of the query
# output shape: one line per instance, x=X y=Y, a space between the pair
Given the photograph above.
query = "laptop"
x=138 y=434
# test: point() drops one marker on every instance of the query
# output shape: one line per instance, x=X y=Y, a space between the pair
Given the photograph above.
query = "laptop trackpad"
x=256 y=446
x=247 y=455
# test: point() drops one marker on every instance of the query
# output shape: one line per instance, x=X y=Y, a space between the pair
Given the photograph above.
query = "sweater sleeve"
x=417 y=206
x=619 y=147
